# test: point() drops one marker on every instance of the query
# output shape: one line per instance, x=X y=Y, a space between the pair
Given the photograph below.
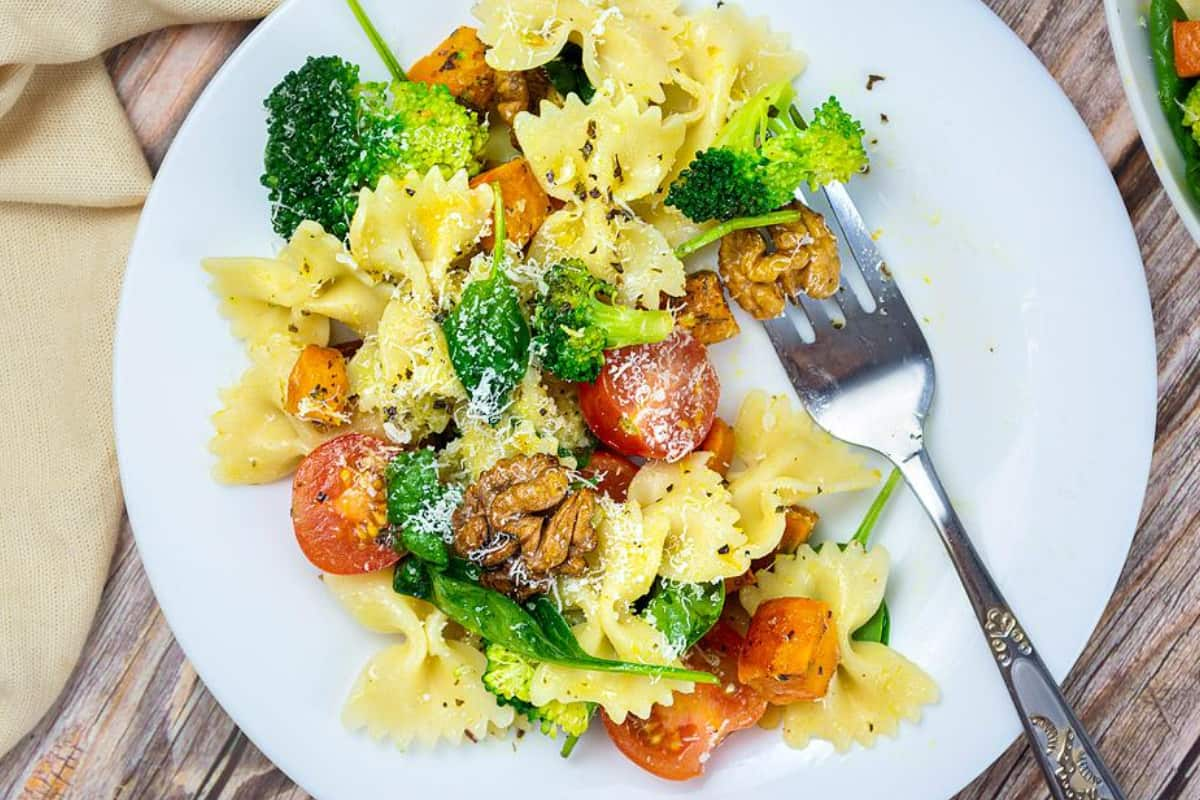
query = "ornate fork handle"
x=1069 y=759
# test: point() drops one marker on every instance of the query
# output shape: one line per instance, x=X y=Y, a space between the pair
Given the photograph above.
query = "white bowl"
x=1131 y=44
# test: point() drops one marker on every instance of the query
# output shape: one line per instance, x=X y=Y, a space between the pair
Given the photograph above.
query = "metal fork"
x=869 y=380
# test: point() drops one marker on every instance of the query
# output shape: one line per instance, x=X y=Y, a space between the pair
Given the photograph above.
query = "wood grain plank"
x=135 y=722
x=160 y=76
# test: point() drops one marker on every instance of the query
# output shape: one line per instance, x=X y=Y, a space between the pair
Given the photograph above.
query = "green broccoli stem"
x=568 y=746
x=385 y=52
x=624 y=326
x=863 y=534
x=719 y=232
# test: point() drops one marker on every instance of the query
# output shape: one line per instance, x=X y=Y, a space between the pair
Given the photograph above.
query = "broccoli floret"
x=1191 y=112
x=829 y=149
x=509 y=677
x=722 y=184
x=763 y=154
x=573 y=326
x=419 y=127
x=330 y=135
x=312 y=145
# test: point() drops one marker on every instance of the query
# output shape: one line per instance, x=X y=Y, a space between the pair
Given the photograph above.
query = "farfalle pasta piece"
x=404 y=371
x=375 y=605
x=423 y=690
x=312 y=280
x=254 y=439
x=781 y=459
x=629 y=550
x=726 y=58
x=605 y=150
x=875 y=687
x=599 y=158
x=619 y=248
x=614 y=632
x=689 y=501
x=628 y=45
x=417 y=232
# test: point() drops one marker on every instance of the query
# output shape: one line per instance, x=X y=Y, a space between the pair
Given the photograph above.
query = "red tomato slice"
x=653 y=400
x=339 y=505
x=611 y=473
x=676 y=741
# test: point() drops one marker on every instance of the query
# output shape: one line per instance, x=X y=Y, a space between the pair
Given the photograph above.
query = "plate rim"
x=266 y=24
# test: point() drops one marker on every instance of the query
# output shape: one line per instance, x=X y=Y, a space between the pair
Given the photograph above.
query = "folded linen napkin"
x=72 y=181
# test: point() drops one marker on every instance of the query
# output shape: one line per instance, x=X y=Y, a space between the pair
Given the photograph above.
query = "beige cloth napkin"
x=72 y=181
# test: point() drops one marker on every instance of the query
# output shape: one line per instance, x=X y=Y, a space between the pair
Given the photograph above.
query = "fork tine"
x=784 y=335
x=870 y=262
x=818 y=317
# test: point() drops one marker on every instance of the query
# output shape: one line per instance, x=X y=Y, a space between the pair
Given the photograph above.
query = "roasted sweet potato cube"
x=318 y=389
x=458 y=64
x=1187 y=48
x=705 y=311
x=719 y=445
x=791 y=651
x=526 y=205
x=798 y=526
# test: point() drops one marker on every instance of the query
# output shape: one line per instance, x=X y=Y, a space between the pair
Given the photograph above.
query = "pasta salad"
x=482 y=359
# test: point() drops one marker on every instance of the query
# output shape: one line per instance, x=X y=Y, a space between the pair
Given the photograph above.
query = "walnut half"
x=523 y=524
x=764 y=267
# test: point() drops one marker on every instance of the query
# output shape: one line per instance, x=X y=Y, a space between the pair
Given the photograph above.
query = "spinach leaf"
x=879 y=627
x=1173 y=90
x=684 y=612
x=500 y=620
x=863 y=534
x=412 y=482
x=464 y=570
x=567 y=75
x=411 y=579
x=420 y=506
x=555 y=627
x=487 y=336
x=427 y=546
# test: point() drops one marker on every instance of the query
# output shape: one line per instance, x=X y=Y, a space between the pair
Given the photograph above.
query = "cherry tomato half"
x=612 y=474
x=676 y=741
x=339 y=505
x=653 y=400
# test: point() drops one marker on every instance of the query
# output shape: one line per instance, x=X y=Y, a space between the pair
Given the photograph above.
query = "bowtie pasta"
x=599 y=158
x=313 y=280
x=484 y=364
x=875 y=687
x=783 y=458
x=629 y=45
x=415 y=231
x=423 y=689
x=403 y=372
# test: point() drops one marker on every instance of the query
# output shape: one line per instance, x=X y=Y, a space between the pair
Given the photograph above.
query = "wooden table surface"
x=136 y=722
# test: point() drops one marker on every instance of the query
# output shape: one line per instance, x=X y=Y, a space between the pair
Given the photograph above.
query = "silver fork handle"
x=1069 y=759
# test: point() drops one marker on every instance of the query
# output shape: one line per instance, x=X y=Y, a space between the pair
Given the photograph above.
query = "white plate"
x=1012 y=244
x=1131 y=44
